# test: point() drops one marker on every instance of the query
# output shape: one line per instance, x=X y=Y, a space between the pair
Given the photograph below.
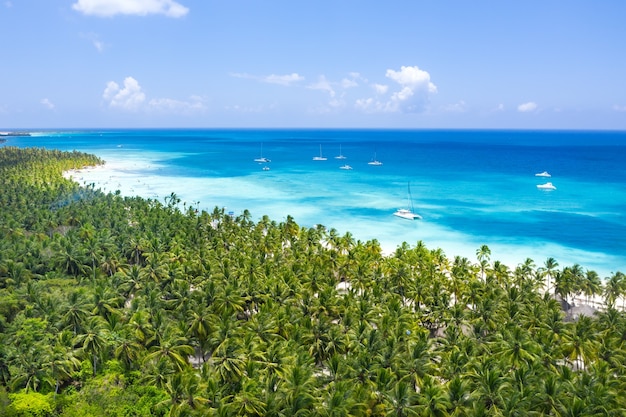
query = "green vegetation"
x=120 y=306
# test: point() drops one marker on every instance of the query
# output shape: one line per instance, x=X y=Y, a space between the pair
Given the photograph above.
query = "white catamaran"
x=262 y=159
x=408 y=213
x=320 y=157
x=341 y=155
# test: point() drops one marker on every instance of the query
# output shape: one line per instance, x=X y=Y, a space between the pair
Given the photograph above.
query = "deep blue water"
x=471 y=187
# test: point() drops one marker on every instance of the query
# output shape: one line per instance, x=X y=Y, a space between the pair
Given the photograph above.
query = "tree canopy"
x=125 y=306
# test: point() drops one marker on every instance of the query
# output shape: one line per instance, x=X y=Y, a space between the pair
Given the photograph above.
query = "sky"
x=532 y=64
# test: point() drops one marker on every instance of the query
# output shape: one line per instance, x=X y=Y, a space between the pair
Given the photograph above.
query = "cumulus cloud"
x=380 y=89
x=368 y=105
x=349 y=83
x=195 y=103
x=324 y=85
x=527 y=107
x=413 y=95
x=415 y=92
x=458 y=107
x=47 y=103
x=412 y=77
x=286 y=79
x=107 y=8
x=128 y=97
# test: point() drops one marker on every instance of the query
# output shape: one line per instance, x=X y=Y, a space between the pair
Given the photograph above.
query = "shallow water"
x=470 y=187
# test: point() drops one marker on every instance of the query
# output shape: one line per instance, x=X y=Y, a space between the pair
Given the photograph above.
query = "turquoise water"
x=470 y=187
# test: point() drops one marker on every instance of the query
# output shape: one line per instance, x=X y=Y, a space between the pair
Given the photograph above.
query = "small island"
x=14 y=134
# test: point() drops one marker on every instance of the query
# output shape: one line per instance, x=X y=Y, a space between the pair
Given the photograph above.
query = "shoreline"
x=139 y=177
x=142 y=176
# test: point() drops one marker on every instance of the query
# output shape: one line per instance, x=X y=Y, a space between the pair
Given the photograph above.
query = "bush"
x=30 y=404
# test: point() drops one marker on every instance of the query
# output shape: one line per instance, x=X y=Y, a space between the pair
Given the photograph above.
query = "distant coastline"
x=5 y=134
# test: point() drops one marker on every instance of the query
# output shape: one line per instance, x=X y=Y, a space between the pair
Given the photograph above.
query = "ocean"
x=471 y=187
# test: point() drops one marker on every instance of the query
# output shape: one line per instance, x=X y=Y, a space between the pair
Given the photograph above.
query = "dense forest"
x=124 y=306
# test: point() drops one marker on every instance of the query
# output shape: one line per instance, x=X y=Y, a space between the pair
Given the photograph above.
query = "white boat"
x=340 y=156
x=543 y=174
x=375 y=161
x=266 y=168
x=408 y=213
x=346 y=167
x=547 y=186
x=262 y=159
x=320 y=157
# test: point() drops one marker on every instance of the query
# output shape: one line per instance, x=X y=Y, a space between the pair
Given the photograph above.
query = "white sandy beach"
x=141 y=177
x=137 y=174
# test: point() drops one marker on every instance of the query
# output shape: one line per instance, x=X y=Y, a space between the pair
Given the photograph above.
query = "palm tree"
x=433 y=399
x=550 y=266
x=483 y=255
x=127 y=350
x=184 y=390
x=614 y=288
x=591 y=285
x=489 y=385
x=579 y=344
x=458 y=396
x=173 y=347
x=248 y=401
x=61 y=362
x=75 y=312
x=229 y=361
x=403 y=401
x=93 y=341
x=297 y=392
x=516 y=348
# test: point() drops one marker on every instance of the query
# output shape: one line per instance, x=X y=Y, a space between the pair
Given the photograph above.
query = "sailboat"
x=408 y=213
x=340 y=156
x=262 y=159
x=320 y=157
x=375 y=161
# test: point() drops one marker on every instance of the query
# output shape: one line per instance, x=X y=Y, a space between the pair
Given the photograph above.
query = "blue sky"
x=344 y=63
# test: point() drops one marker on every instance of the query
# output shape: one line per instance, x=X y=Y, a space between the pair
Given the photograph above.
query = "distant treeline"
x=124 y=306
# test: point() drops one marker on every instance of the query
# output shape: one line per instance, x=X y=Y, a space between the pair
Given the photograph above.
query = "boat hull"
x=547 y=186
x=406 y=214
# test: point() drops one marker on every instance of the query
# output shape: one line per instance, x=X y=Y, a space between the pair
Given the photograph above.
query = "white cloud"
x=95 y=41
x=619 y=108
x=8 y=4
x=324 y=85
x=412 y=97
x=128 y=98
x=365 y=104
x=412 y=77
x=499 y=107
x=195 y=103
x=349 y=83
x=287 y=79
x=248 y=109
x=380 y=89
x=527 y=107
x=107 y=8
x=47 y=103
x=131 y=97
x=458 y=107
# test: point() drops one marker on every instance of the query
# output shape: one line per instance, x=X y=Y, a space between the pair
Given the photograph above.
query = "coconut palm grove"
x=125 y=306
